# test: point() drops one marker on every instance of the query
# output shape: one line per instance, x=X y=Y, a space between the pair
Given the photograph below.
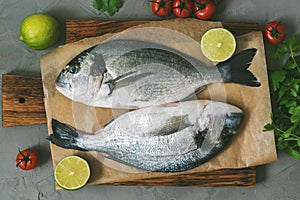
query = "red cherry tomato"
x=274 y=32
x=162 y=8
x=27 y=159
x=183 y=8
x=204 y=9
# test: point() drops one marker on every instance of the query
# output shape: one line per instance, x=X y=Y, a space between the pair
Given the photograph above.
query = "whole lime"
x=39 y=31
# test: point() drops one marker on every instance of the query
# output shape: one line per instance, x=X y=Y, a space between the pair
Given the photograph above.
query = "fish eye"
x=73 y=69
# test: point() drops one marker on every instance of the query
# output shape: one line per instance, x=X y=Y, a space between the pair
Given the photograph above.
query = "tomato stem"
x=162 y=5
x=20 y=160
x=183 y=6
x=25 y=158
x=274 y=32
x=200 y=5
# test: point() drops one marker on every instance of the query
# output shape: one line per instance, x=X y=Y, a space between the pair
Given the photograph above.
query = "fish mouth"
x=233 y=120
x=61 y=84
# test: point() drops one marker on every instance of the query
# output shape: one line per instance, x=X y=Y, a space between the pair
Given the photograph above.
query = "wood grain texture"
x=220 y=178
x=22 y=101
x=79 y=29
x=22 y=104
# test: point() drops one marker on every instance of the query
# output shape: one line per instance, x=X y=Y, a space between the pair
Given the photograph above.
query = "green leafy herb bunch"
x=285 y=92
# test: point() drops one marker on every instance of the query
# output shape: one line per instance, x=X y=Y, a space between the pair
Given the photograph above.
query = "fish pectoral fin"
x=125 y=80
x=173 y=125
x=200 y=89
x=121 y=77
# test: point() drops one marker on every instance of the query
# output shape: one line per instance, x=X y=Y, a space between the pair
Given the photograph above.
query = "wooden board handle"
x=22 y=101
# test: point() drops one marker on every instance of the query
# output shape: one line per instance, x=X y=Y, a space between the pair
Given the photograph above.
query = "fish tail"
x=64 y=136
x=235 y=70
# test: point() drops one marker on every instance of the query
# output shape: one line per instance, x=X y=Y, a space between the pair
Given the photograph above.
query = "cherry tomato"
x=204 y=9
x=27 y=159
x=274 y=32
x=162 y=8
x=183 y=8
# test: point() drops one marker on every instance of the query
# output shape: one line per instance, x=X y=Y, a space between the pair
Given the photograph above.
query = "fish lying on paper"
x=170 y=138
x=134 y=74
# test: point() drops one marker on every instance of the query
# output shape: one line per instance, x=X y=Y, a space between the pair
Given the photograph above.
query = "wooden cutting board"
x=22 y=104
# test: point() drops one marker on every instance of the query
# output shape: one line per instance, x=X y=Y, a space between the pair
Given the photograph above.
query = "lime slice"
x=72 y=173
x=218 y=44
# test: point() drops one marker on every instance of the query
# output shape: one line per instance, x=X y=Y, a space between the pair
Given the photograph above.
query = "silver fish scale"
x=172 y=163
x=161 y=89
x=169 y=77
x=132 y=61
x=166 y=86
x=149 y=122
x=169 y=145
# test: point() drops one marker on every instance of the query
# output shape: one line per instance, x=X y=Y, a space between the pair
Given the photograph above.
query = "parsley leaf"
x=109 y=6
x=269 y=127
x=295 y=115
x=285 y=88
x=281 y=51
x=294 y=153
x=276 y=78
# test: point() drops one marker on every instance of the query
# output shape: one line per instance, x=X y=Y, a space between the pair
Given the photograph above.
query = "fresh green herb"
x=109 y=6
x=285 y=91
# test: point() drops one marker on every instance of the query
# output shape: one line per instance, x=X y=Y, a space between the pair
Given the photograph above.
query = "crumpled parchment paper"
x=250 y=147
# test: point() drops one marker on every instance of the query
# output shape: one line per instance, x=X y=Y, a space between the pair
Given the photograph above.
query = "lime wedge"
x=218 y=44
x=72 y=173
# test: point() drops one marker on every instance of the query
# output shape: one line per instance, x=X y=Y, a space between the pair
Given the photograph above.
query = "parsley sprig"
x=285 y=91
x=109 y=6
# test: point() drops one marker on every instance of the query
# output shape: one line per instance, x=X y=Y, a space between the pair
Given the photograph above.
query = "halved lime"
x=218 y=44
x=72 y=173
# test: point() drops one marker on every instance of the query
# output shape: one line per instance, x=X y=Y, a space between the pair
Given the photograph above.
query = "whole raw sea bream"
x=135 y=74
x=169 y=138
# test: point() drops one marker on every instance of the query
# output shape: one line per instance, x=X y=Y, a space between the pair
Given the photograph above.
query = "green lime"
x=72 y=173
x=218 y=44
x=39 y=31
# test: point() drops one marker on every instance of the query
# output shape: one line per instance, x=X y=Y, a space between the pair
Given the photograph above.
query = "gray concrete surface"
x=275 y=181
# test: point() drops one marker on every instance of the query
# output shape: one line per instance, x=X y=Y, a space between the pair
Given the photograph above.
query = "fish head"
x=218 y=122
x=82 y=77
